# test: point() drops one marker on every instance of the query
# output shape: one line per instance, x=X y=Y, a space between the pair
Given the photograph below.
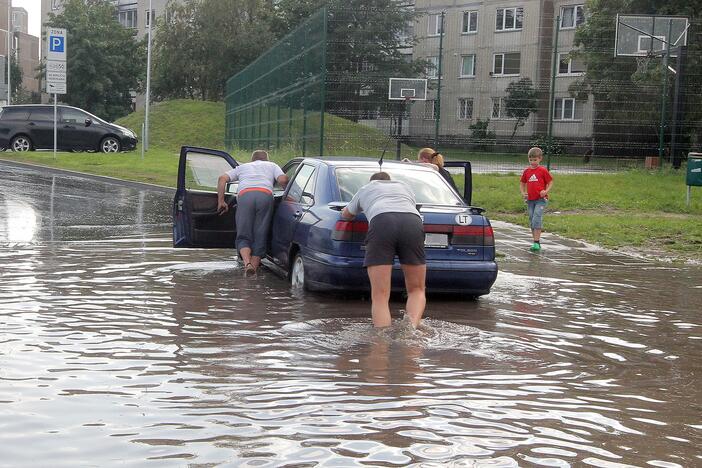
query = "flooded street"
x=116 y=349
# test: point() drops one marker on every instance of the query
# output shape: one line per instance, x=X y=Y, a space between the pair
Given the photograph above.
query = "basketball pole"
x=664 y=94
x=678 y=107
x=437 y=103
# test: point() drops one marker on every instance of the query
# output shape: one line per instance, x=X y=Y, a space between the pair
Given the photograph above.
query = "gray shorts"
x=254 y=211
x=536 y=212
x=391 y=234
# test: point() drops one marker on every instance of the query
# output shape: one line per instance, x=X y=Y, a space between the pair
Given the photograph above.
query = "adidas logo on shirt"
x=533 y=178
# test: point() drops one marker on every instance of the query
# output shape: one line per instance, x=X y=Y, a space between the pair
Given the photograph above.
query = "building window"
x=509 y=19
x=148 y=15
x=497 y=108
x=467 y=66
x=128 y=18
x=429 y=110
x=506 y=64
x=465 y=109
x=569 y=66
x=567 y=109
x=572 y=16
x=435 y=26
x=433 y=68
x=470 y=22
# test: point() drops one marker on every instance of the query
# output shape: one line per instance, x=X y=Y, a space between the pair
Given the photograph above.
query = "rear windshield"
x=429 y=187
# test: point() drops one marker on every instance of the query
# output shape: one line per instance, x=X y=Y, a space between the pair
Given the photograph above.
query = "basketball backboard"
x=642 y=35
x=407 y=89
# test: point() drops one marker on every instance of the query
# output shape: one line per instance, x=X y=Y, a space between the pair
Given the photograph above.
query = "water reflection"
x=118 y=349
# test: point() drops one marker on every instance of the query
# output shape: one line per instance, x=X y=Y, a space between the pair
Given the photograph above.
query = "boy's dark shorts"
x=391 y=234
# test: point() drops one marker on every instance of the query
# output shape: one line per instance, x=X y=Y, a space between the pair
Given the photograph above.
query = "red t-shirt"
x=536 y=180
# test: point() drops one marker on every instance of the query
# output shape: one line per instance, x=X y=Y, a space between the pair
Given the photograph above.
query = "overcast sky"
x=33 y=7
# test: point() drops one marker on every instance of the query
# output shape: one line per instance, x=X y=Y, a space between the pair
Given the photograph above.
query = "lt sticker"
x=463 y=219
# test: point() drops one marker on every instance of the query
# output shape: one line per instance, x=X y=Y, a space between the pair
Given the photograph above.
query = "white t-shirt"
x=383 y=196
x=255 y=174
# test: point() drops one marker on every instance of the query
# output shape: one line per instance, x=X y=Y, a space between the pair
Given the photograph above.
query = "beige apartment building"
x=24 y=46
x=486 y=46
x=132 y=14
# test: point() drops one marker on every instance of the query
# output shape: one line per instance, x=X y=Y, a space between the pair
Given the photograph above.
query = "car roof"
x=359 y=161
x=15 y=106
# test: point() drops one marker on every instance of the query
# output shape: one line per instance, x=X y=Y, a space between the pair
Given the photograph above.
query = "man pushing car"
x=395 y=228
x=254 y=209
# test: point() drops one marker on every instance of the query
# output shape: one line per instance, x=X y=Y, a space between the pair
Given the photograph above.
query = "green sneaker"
x=535 y=247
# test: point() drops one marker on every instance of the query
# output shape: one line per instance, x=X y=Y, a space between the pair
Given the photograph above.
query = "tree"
x=16 y=77
x=201 y=43
x=105 y=63
x=521 y=101
x=627 y=100
x=368 y=42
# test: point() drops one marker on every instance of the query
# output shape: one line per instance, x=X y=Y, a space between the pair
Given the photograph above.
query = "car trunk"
x=451 y=234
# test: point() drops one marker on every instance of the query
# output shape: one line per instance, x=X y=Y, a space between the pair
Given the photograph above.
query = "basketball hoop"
x=642 y=63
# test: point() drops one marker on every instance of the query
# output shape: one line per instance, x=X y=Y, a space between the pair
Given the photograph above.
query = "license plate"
x=436 y=240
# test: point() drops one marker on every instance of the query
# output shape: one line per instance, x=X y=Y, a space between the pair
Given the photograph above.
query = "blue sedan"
x=317 y=250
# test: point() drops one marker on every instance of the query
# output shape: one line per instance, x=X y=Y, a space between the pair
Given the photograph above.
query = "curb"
x=107 y=179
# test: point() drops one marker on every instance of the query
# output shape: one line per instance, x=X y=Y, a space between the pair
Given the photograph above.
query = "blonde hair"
x=434 y=157
x=535 y=152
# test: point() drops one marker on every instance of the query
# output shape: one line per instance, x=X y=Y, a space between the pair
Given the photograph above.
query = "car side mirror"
x=88 y=122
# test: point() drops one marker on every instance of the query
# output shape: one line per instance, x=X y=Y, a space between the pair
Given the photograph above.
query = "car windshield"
x=428 y=186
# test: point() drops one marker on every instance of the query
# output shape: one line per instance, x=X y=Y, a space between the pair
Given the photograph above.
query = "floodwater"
x=116 y=349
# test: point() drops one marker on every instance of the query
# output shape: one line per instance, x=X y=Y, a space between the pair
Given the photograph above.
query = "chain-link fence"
x=500 y=80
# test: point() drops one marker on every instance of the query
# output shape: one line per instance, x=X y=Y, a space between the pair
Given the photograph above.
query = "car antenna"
x=380 y=162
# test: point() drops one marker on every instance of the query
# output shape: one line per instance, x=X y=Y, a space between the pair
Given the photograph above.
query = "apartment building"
x=23 y=45
x=132 y=14
x=485 y=46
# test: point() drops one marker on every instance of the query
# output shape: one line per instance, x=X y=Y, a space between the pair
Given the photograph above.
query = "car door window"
x=42 y=115
x=298 y=184
x=73 y=116
x=14 y=114
x=203 y=170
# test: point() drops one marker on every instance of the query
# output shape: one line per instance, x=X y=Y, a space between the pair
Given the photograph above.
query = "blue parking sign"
x=56 y=44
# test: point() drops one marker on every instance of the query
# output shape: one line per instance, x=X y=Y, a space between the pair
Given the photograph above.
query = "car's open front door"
x=196 y=222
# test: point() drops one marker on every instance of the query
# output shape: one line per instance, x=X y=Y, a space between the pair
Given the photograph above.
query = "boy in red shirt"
x=535 y=184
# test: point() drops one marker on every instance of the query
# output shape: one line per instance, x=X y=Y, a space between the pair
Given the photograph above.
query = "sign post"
x=56 y=68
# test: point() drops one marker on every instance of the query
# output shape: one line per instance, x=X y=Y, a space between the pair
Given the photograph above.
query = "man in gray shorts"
x=254 y=209
x=395 y=229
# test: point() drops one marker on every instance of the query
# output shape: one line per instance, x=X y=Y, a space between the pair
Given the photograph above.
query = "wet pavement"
x=116 y=349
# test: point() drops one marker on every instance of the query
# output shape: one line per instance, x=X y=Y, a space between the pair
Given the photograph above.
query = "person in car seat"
x=254 y=209
x=395 y=228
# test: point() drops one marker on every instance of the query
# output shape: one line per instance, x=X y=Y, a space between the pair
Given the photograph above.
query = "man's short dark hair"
x=380 y=176
x=259 y=155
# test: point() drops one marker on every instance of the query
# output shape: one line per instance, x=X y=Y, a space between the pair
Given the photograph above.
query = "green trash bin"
x=694 y=169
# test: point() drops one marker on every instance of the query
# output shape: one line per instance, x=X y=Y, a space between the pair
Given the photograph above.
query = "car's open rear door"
x=196 y=222
x=467 y=178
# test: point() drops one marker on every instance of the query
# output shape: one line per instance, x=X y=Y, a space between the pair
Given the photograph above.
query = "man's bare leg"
x=380 y=276
x=415 y=278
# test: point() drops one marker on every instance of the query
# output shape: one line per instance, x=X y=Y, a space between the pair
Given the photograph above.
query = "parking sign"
x=56 y=44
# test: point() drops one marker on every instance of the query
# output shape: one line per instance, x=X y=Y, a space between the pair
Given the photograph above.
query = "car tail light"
x=353 y=231
x=473 y=235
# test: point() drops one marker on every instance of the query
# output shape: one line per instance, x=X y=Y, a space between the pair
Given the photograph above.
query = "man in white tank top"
x=254 y=209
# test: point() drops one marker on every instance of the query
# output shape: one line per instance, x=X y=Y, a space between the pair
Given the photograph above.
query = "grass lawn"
x=640 y=209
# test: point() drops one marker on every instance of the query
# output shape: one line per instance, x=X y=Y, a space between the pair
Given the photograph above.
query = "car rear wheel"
x=297 y=273
x=110 y=145
x=21 y=143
